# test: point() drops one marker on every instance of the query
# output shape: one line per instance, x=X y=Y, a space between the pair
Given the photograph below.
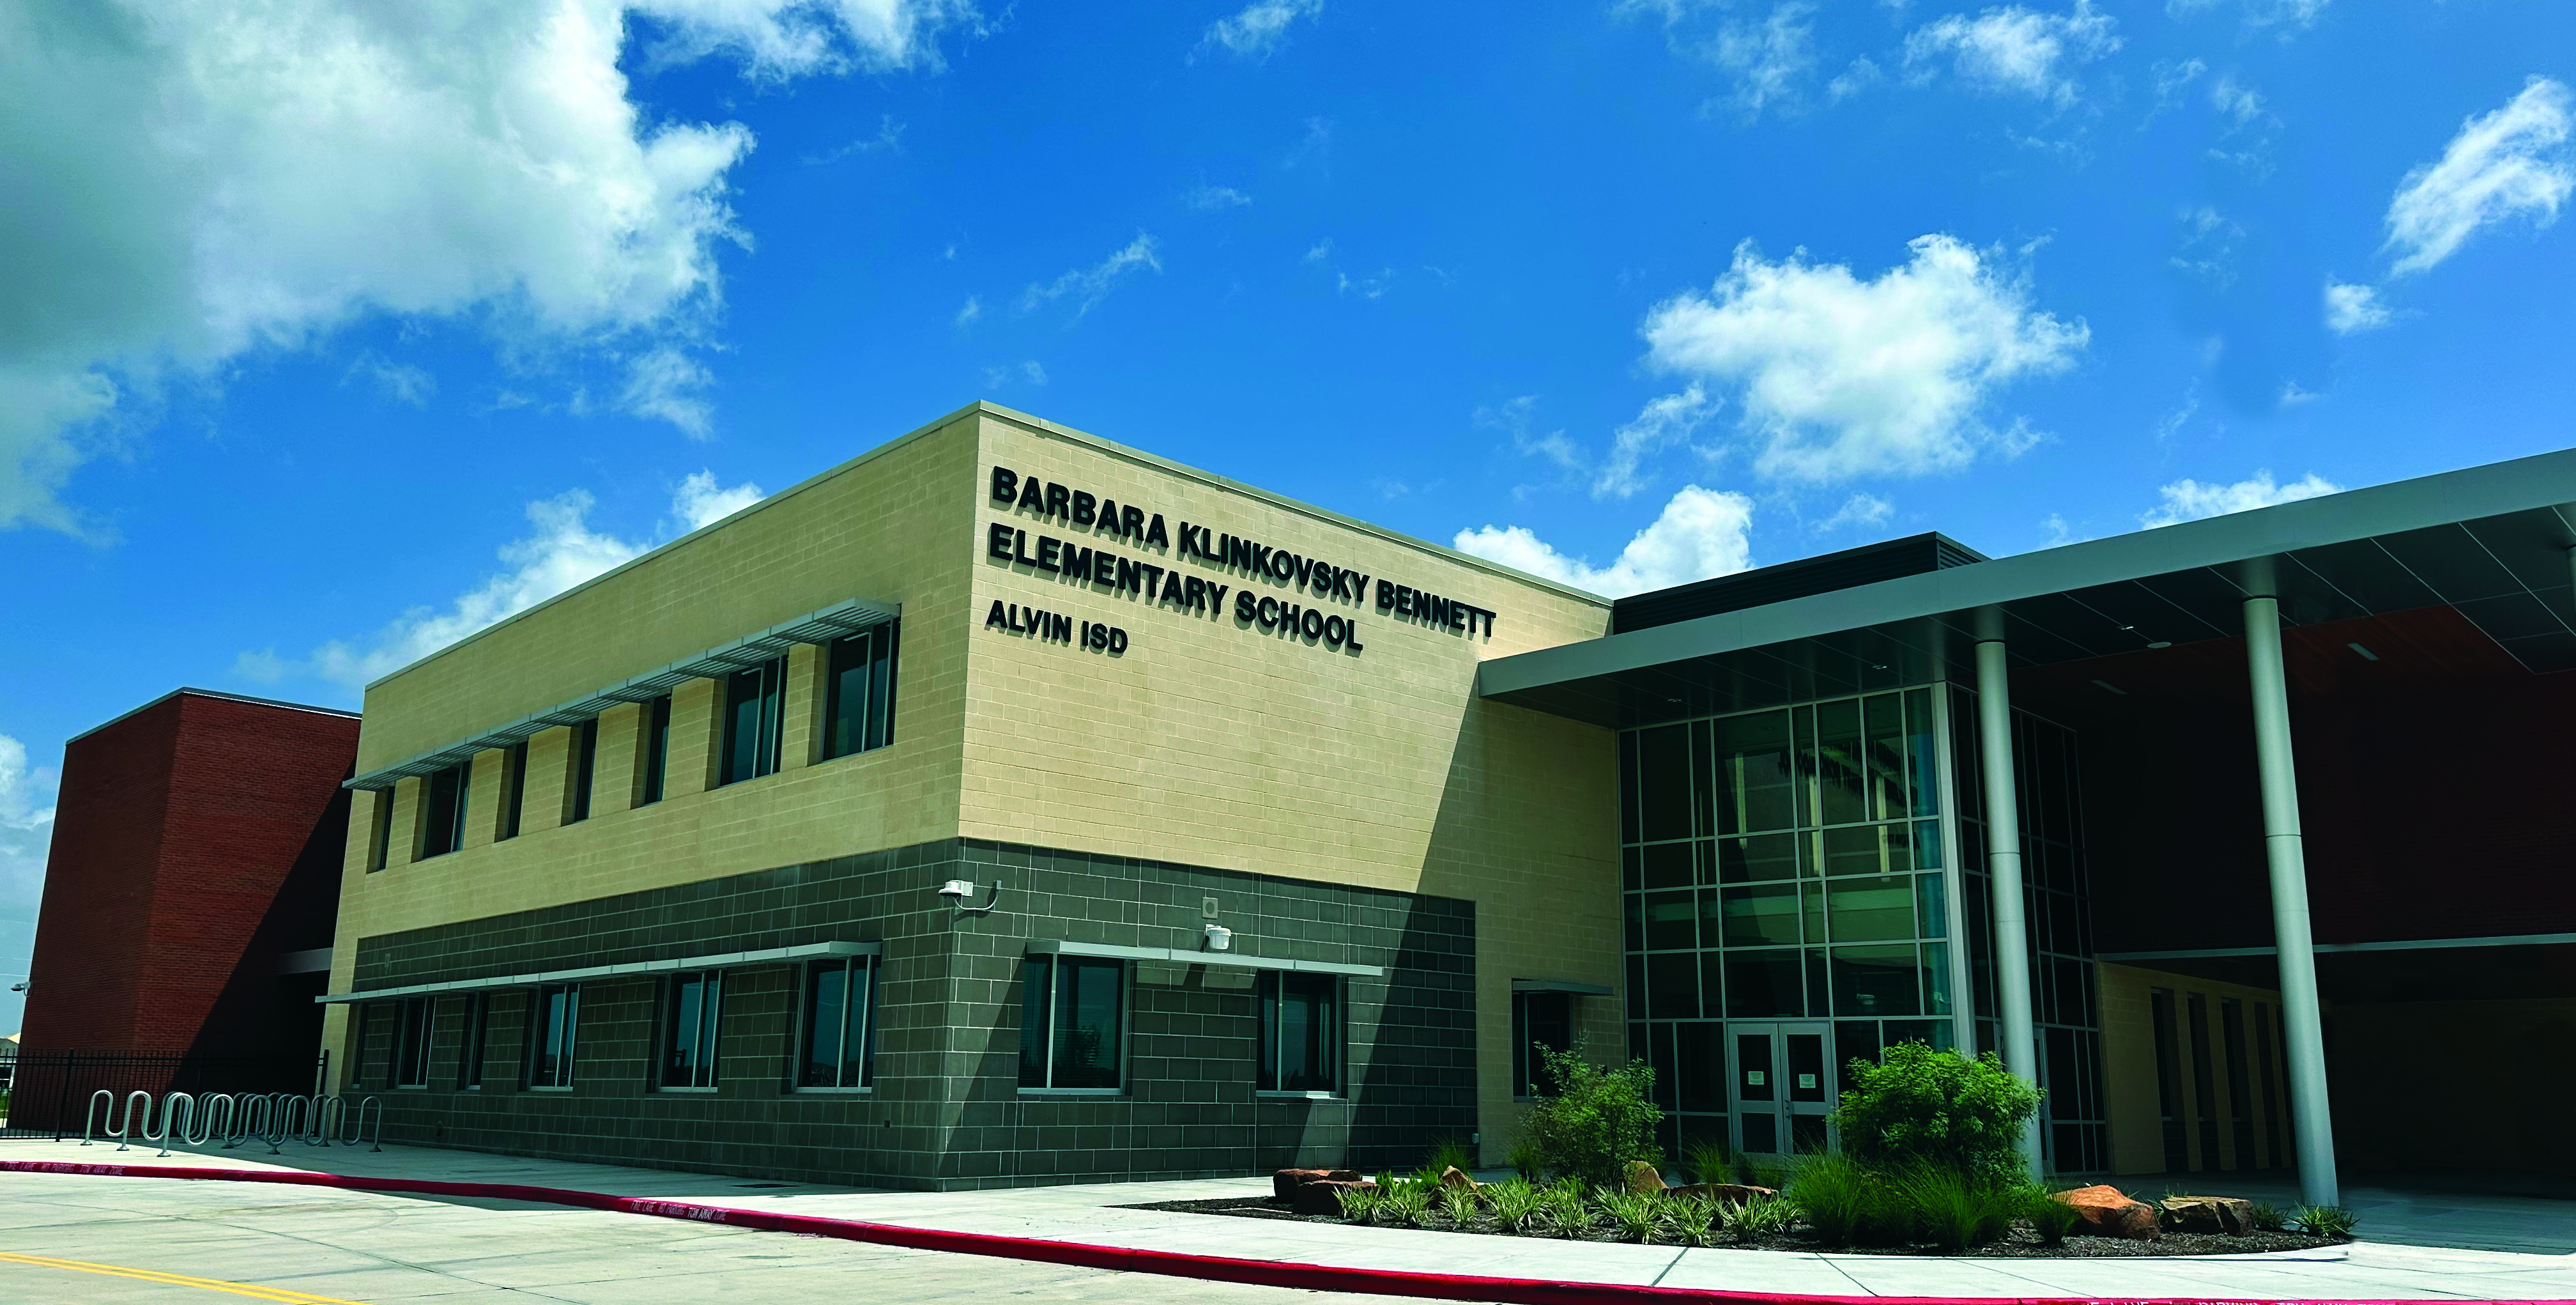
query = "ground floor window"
x=689 y=1007
x=839 y=1035
x=1072 y=1009
x=1301 y=1032
x=1538 y=1019
x=478 y=1025
x=411 y=1044
x=554 y=1013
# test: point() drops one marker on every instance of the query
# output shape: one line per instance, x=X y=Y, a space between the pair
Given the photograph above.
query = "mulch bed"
x=2021 y=1243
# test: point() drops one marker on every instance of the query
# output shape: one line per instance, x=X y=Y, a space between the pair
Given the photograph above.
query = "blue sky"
x=336 y=331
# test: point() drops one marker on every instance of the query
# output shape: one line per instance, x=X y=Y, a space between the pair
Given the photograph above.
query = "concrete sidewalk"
x=1089 y=1215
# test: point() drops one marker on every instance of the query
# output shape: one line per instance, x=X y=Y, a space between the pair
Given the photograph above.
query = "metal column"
x=2003 y=865
x=2312 y=1126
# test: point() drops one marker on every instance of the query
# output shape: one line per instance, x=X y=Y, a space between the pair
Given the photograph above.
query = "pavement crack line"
x=1669 y=1266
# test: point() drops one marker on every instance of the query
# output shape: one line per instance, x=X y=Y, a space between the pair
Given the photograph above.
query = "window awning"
x=823 y=626
x=1576 y=987
x=628 y=970
x=1174 y=955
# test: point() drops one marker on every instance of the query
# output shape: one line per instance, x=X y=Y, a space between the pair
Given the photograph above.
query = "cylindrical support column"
x=2302 y=1026
x=2003 y=870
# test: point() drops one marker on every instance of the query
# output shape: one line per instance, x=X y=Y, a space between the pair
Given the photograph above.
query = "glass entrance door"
x=1781 y=1087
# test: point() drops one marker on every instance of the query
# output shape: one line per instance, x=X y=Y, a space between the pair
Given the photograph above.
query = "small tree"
x=1597 y=1121
x=1922 y=1107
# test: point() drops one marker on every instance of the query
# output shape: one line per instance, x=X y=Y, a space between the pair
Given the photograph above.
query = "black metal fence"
x=50 y=1092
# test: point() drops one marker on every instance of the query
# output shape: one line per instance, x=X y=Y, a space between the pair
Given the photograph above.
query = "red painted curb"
x=1266 y=1273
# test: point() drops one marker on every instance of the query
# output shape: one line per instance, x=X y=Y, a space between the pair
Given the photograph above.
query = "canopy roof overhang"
x=2491 y=542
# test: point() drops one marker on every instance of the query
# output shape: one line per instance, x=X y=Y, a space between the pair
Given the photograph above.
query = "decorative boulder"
x=2225 y=1216
x=1324 y=1195
x=1455 y=1177
x=1723 y=1193
x=1644 y=1178
x=2108 y=1212
x=1284 y=1184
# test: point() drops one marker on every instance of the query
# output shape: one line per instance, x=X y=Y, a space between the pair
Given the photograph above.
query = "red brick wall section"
x=167 y=896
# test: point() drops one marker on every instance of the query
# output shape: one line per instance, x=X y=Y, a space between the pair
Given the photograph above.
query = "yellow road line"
x=252 y=1290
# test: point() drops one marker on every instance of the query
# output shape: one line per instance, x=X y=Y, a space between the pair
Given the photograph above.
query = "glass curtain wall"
x=1800 y=872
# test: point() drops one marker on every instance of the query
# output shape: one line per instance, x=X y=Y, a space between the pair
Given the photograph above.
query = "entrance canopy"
x=2491 y=542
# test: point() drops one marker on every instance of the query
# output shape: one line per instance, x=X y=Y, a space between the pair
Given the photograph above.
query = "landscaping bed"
x=2020 y=1243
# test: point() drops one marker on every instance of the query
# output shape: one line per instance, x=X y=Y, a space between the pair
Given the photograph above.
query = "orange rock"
x=1323 y=1196
x=2108 y=1212
x=1454 y=1177
x=1643 y=1177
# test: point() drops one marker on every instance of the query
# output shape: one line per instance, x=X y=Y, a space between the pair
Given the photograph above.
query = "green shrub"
x=1516 y=1203
x=2267 y=1216
x=1359 y=1204
x=1450 y=1153
x=1563 y=1209
x=1460 y=1204
x=1951 y=1209
x=1635 y=1214
x=1760 y=1217
x=1597 y=1120
x=2051 y=1218
x=1922 y=1108
x=2325 y=1221
x=1843 y=1203
x=1691 y=1220
x=1524 y=1160
x=1405 y=1202
x=1708 y=1161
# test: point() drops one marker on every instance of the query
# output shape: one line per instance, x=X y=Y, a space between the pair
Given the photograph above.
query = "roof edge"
x=185 y=691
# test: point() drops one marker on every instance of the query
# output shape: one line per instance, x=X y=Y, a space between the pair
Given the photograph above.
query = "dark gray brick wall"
x=947 y=1111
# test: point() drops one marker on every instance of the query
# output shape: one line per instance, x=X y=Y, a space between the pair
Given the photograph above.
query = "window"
x=585 y=762
x=753 y=714
x=689 y=1029
x=411 y=1045
x=1543 y=1018
x=442 y=822
x=838 y=1040
x=1070 y=1011
x=478 y=1026
x=383 y=834
x=858 y=709
x=554 y=1012
x=657 y=748
x=514 y=786
x=1301 y=1032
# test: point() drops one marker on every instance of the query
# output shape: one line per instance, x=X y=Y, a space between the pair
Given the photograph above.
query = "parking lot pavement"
x=87 y=1240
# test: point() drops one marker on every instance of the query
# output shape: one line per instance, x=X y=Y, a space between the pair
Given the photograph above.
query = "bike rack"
x=329 y=1114
x=211 y=1131
x=179 y=1108
x=91 y=1118
x=276 y=1118
x=357 y=1119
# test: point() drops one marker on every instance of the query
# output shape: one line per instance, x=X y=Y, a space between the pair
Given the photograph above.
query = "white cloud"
x=700 y=502
x=400 y=382
x=974 y=308
x=1088 y=285
x=2294 y=394
x=1767 y=58
x=2208 y=248
x=1213 y=199
x=1861 y=510
x=1851 y=81
x=1368 y=285
x=664 y=384
x=1516 y=418
x=1258 y=30
x=2236 y=101
x=2190 y=500
x=561 y=552
x=1701 y=533
x=1662 y=423
x=1036 y=375
x=192 y=183
x=1320 y=250
x=2292 y=16
x=2016 y=50
x=2509 y=163
x=1842 y=377
x=26 y=832
x=2352 y=309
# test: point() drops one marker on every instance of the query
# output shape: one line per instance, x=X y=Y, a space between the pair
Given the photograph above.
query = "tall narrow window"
x=478 y=1026
x=442 y=823
x=2169 y=1097
x=657 y=747
x=2240 y=1080
x=2271 y=1092
x=689 y=1029
x=859 y=700
x=754 y=711
x=1071 y=1011
x=411 y=1045
x=1301 y=1032
x=1538 y=1019
x=585 y=763
x=383 y=834
x=554 y=1015
x=2204 y=1085
x=514 y=786
x=839 y=1032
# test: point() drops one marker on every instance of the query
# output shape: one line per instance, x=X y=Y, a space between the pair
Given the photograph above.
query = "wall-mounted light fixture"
x=961 y=893
x=1219 y=938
